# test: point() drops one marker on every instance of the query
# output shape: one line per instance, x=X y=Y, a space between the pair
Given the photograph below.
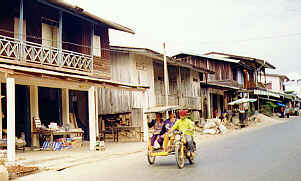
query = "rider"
x=185 y=125
x=167 y=126
x=158 y=125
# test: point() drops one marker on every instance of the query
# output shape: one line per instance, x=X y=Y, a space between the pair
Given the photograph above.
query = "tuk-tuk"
x=178 y=146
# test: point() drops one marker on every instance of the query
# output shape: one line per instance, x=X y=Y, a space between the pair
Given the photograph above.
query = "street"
x=269 y=153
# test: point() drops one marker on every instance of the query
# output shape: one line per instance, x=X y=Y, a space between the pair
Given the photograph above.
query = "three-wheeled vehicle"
x=177 y=146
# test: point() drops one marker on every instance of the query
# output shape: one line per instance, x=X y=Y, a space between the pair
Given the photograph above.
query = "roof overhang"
x=207 y=57
x=237 y=57
x=81 y=13
x=159 y=57
x=218 y=85
x=12 y=69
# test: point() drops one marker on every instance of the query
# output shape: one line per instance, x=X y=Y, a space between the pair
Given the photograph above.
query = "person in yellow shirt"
x=185 y=125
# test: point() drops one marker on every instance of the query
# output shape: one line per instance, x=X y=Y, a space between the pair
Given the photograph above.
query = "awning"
x=162 y=109
x=241 y=101
x=68 y=75
x=280 y=104
x=266 y=93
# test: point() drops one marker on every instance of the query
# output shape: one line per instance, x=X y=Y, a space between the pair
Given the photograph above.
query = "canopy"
x=241 y=101
x=162 y=109
x=280 y=104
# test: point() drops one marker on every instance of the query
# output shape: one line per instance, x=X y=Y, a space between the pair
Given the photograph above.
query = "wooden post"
x=65 y=106
x=92 y=131
x=179 y=81
x=165 y=77
x=11 y=129
x=21 y=21
x=1 y=127
x=60 y=38
x=92 y=45
x=209 y=103
x=34 y=112
x=96 y=112
x=145 y=127
x=21 y=28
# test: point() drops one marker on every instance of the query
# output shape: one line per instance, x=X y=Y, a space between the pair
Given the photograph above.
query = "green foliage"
x=268 y=107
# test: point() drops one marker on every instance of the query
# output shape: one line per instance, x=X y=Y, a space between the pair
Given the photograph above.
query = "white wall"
x=276 y=82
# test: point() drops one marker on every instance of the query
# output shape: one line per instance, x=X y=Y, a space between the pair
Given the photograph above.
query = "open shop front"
x=22 y=118
x=21 y=88
x=121 y=127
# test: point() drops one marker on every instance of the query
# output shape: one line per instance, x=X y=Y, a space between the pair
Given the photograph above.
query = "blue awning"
x=280 y=104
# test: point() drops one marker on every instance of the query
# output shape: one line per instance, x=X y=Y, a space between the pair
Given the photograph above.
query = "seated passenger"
x=167 y=125
x=158 y=125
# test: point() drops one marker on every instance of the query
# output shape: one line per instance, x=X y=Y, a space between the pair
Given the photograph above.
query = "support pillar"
x=21 y=15
x=61 y=37
x=65 y=106
x=34 y=112
x=96 y=112
x=1 y=127
x=11 y=124
x=209 y=104
x=92 y=129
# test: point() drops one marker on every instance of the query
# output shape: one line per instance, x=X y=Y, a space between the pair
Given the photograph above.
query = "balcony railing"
x=172 y=100
x=29 y=52
x=185 y=102
x=191 y=102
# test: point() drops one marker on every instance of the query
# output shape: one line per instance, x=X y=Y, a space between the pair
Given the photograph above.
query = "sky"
x=269 y=30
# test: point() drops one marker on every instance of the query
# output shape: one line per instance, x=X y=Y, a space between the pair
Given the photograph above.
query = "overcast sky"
x=268 y=30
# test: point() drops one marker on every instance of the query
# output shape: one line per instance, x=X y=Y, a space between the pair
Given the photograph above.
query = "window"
x=96 y=46
x=16 y=29
x=50 y=35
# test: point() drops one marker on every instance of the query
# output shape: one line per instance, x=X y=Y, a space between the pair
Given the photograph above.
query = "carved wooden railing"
x=30 y=52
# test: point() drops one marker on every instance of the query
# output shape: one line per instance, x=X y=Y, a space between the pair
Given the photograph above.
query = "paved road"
x=271 y=153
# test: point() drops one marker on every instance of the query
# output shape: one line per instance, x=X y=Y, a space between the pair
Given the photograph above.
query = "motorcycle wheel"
x=180 y=161
x=151 y=159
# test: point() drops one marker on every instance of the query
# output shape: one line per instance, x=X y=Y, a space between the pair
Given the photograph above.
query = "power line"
x=255 y=39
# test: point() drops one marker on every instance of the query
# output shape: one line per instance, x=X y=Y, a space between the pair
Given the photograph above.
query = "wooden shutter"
x=50 y=35
x=96 y=46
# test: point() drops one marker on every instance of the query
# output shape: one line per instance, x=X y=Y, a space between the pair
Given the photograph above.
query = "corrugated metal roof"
x=230 y=56
x=75 y=9
x=158 y=56
x=208 y=57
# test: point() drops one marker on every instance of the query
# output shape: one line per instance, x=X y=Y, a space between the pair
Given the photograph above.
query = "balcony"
x=191 y=102
x=185 y=102
x=172 y=100
x=32 y=54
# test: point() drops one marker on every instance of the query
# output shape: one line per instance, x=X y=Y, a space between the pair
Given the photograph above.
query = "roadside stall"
x=240 y=116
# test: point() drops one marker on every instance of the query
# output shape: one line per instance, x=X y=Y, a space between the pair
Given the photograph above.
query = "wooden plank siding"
x=128 y=68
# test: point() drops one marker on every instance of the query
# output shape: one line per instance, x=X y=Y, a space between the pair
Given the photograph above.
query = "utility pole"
x=165 y=76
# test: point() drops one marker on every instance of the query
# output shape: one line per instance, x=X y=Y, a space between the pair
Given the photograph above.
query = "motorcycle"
x=179 y=148
x=182 y=150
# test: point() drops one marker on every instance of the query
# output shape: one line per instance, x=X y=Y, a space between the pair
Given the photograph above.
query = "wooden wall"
x=7 y=13
x=133 y=69
x=102 y=65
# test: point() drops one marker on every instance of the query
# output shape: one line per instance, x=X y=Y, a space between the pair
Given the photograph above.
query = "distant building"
x=274 y=82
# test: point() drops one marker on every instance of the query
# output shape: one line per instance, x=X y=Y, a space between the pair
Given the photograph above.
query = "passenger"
x=185 y=125
x=167 y=126
x=158 y=125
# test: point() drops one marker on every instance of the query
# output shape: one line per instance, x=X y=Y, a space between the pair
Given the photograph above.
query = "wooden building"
x=235 y=76
x=53 y=55
x=144 y=67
